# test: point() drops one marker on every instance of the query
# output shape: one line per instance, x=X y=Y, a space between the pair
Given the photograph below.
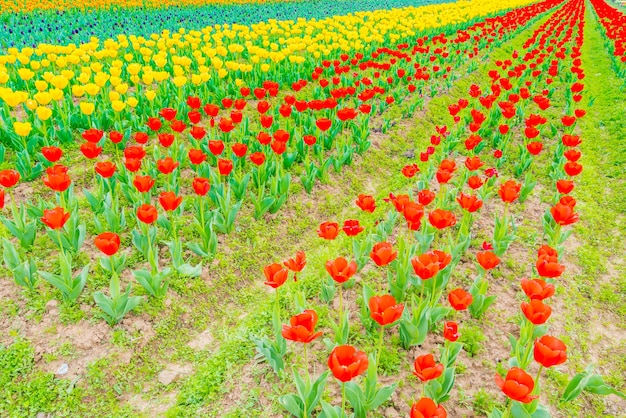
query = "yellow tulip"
x=87 y=108
x=179 y=81
x=22 y=128
x=150 y=95
x=43 y=98
x=78 y=91
x=25 y=74
x=118 y=105
x=114 y=96
x=43 y=113
x=121 y=88
x=132 y=102
x=41 y=85
x=31 y=104
x=56 y=94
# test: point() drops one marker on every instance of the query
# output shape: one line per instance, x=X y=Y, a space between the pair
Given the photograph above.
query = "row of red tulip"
x=553 y=56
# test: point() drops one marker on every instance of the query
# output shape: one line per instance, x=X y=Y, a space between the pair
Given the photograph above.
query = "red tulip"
x=383 y=254
x=168 y=113
x=239 y=149
x=2 y=199
x=216 y=147
x=108 y=243
x=572 y=168
x=346 y=363
x=196 y=156
x=473 y=163
x=275 y=275
x=92 y=135
x=302 y=327
x=197 y=132
x=440 y=218
x=201 y=186
x=57 y=180
x=323 y=124
x=409 y=171
x=427 y=408
x=469 y=202
x=426 y=265
x=340 y=270
x=194 y=102
x=154 y=124
x=9 y=178
x=257 y=158
x=352 y=228
x=487 y=259
x=296 y=264
x=565 y=186
x=166 y=140
x=459 y=299
x=474 y=182
x=366 y=203
x=385 y=310
x=518 y=385
x=450 y=331
x=548 y=263
x=536 y=311
x=52 y=154
x=167 y=165
x=537 y=289
x=55 y=218
x=425 y=197
x=143 y=183
x=226 y=125
x=90 y=150
x=106 y=169
x=509 y=191
x=550 y=351
x=169 y=201
x=147 y=213
x=328 y=230
x=224 y=166
x=426 y=368
x=563 y=214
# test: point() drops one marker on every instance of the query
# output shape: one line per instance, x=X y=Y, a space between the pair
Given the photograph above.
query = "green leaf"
x=518 y=411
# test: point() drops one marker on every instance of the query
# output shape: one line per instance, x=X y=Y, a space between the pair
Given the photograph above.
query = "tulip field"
x=313 y=208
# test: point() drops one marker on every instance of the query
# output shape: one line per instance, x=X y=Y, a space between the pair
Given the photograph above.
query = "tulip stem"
x=343 y=396
x=538 y=376
x=306 y=363
x=60 y=243
x=308 y=379
x=340 y=303
x=380 y=345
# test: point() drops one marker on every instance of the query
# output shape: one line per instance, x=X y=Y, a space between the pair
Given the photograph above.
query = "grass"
x=233 y=305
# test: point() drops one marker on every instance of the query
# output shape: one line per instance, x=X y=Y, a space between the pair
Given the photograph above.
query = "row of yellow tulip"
x=122 y=73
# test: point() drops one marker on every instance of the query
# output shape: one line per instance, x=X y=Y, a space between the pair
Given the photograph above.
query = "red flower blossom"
x=275 y=275
x=459 y=299
x=518 y=385
x=427 y=408
x=550 y=351
x=385 y=310
x=301 y=328
x=536 y=312
x=426 y=368
x=352 y=227
x=450 y=331
x=328 y=230
x=201 y=186
x=55 y=218
x=340 y=270
x=537 y=289
x=383 y=253
x=346 y=363
x=108 y=243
